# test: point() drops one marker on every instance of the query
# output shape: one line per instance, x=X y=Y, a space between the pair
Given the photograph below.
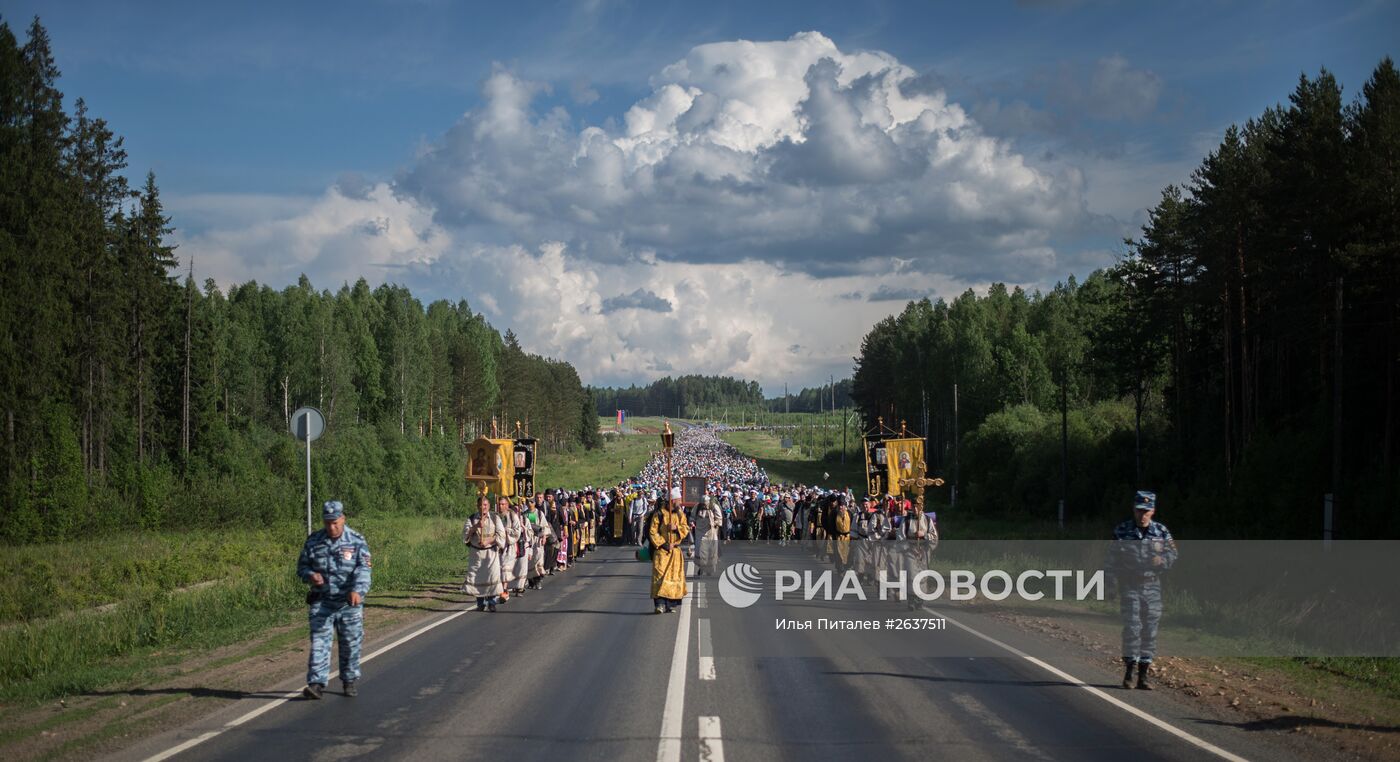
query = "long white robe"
x=511 y=530
x=707 y=525
x=866 y=532
x=920 y=539
x=543 y=531
x=486 y=540
x=521 y=572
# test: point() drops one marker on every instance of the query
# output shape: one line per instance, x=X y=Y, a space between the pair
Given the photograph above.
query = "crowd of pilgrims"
x=515 y=543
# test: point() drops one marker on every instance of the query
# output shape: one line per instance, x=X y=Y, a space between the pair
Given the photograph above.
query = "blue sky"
x=306 y=127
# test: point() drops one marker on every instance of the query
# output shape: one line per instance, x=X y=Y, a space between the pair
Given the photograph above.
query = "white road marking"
x=1129 y=708
x=711 y=744
x=707 y=652
x=269 y=706
x=998 y=726
x=672 y=716
x=702 y=599
x=689 y=569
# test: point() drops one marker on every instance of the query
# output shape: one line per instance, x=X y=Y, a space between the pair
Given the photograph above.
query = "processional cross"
x=918 y=483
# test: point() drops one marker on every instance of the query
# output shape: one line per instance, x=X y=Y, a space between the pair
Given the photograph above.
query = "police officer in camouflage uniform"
x=1142 y=550
x=336 y=563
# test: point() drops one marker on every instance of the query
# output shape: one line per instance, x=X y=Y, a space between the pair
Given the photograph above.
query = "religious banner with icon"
x=902 y=458
x=875 y=471
x=692 y=489
x=491 y=464
x=525 y=467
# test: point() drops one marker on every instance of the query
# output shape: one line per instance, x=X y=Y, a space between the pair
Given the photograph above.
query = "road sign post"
x=308 y=424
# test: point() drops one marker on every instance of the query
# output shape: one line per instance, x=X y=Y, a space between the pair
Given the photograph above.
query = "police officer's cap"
x=332 y=510
x=1145 y=501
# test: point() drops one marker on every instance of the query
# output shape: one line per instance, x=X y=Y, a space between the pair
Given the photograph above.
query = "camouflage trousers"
x=1141 y=607
x=348 y=624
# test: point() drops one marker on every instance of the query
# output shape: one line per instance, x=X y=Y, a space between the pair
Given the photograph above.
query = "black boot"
x=350 y=689
x=1128 y=665
x=1142 y=683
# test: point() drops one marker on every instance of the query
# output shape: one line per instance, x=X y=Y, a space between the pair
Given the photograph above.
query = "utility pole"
x=1337 y=402
x=953 y=499
x=1064 y=449
x=185 y=396
x=787 y=405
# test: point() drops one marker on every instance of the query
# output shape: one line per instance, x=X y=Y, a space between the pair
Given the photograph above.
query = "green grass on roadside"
x=621 y=456
x=789 y=466
x=154 y=622
x=656 y=423
x=1354 y=673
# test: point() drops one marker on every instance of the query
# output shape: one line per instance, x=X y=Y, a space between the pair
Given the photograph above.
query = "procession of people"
x=516 y=543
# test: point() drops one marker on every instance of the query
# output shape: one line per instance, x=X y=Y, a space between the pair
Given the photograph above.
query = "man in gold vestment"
x=667 y=528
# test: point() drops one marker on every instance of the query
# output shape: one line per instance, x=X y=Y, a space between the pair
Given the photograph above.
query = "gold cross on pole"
x=917 y=485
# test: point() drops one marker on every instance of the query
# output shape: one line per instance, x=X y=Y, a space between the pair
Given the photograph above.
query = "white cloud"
x=757 y=192
x=753 y=320
x=1117 y=90
x=792 y=152
x=334 y=238
x=1111 y=89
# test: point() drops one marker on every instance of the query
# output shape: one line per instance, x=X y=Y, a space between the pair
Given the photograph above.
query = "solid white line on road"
x=707 y=652
x=689 y=569
x=702 y=600
x=269 y=706
x=1129 y=708
x=669 y=749
x=711 y=745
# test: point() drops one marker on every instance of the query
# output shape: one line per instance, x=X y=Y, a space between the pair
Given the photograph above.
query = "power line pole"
x=1337 y=402
x=923 y=400
x=185 y=396
x=1064 y=449
x=953 y=500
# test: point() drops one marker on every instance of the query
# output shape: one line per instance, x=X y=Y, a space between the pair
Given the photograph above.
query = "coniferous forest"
x=133 y=396
x=1240 y=359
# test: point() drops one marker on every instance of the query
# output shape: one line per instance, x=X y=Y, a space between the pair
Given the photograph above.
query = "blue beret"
x=332 y=510
x=1146 y=501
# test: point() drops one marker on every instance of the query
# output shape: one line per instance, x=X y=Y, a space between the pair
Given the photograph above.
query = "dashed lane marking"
x=707 y=651
x=711 y=744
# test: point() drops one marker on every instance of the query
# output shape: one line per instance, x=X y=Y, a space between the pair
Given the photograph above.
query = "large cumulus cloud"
x=792 y=152
x=730 y=221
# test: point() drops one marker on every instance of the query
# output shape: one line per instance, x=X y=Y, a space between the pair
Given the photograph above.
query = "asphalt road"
x=584 y=670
